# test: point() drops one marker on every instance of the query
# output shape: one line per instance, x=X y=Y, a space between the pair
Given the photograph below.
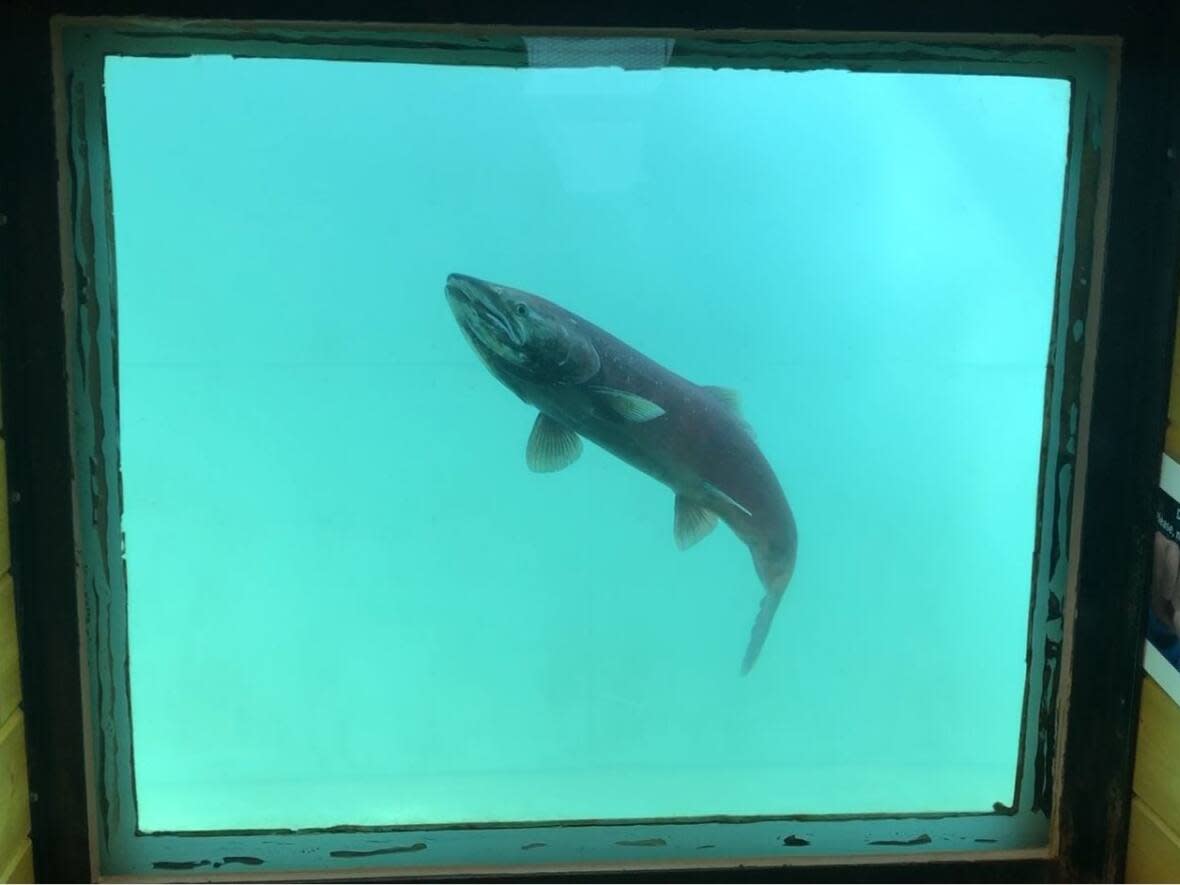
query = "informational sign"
x=1162 y=655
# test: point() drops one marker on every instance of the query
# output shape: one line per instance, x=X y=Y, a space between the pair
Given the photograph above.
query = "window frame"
x=1089 y=258
x=91 y=306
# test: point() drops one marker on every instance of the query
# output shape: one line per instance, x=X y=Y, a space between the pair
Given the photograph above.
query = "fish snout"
x=465 y=289
x=458 y=288
x=483 y=310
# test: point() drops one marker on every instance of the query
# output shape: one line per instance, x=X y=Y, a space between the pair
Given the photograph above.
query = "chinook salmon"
x=584 y=382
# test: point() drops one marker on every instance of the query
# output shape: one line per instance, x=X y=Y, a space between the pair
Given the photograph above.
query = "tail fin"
x=760 y=630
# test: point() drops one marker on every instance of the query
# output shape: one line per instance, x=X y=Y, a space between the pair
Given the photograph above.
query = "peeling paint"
x=529 y=846
x=642 y=843
x=793 y=841
x=92 y=379
x=1046 y=727
x=242 y=859
x=923 y=839
x=376 y=852
x=179 y=864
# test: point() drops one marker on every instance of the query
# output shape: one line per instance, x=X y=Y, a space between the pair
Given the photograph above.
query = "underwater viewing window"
x=535 y=451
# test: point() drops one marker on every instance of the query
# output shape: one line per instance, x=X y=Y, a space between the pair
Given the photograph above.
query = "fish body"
x=586 y=383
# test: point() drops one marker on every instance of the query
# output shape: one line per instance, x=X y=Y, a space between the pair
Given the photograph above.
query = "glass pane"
x=350 y=599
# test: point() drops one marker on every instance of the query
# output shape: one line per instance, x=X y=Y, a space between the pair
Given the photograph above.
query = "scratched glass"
x=481 y=427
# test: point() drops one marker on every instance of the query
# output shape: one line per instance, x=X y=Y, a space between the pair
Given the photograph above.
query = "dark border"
x=83 y=44
x=32 y=354
x=1128 y=419
x=1129 y=401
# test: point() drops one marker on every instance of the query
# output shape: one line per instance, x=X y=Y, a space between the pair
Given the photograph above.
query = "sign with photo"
x=1162 y=655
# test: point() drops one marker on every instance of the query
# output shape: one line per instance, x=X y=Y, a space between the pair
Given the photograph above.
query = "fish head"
x=521 y=333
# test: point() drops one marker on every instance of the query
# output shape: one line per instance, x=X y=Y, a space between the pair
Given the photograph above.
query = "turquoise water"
x=350 y=601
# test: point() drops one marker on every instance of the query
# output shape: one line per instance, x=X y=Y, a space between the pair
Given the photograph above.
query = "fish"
x=587 y=384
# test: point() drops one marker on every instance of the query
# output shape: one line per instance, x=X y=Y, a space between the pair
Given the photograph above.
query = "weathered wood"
x=1153 y=849
x=1157 y=759
x=14 y=786
x=9 y=655
x=19 y=869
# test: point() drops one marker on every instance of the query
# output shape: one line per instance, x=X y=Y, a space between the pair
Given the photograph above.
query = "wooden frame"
x=1084 y=842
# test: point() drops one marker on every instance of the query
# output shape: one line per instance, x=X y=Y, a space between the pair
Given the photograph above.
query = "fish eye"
x=521 y=309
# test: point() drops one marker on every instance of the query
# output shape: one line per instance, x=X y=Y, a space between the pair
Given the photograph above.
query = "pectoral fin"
x=552 y=446
x=693 y=522
x=628 y=406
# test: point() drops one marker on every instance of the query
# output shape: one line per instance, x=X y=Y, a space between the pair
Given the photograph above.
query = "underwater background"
x=350 y=601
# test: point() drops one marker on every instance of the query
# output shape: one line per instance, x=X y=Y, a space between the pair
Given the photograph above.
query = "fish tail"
x=760 y=630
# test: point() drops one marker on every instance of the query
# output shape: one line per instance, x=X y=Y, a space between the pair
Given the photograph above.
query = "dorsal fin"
x=727 y=395
x=732 y=400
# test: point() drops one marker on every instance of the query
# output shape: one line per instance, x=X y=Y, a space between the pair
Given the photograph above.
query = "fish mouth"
x=478 y=306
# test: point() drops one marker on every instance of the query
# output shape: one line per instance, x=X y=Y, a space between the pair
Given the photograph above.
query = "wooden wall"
x=1153 y=850
x=16 y=852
